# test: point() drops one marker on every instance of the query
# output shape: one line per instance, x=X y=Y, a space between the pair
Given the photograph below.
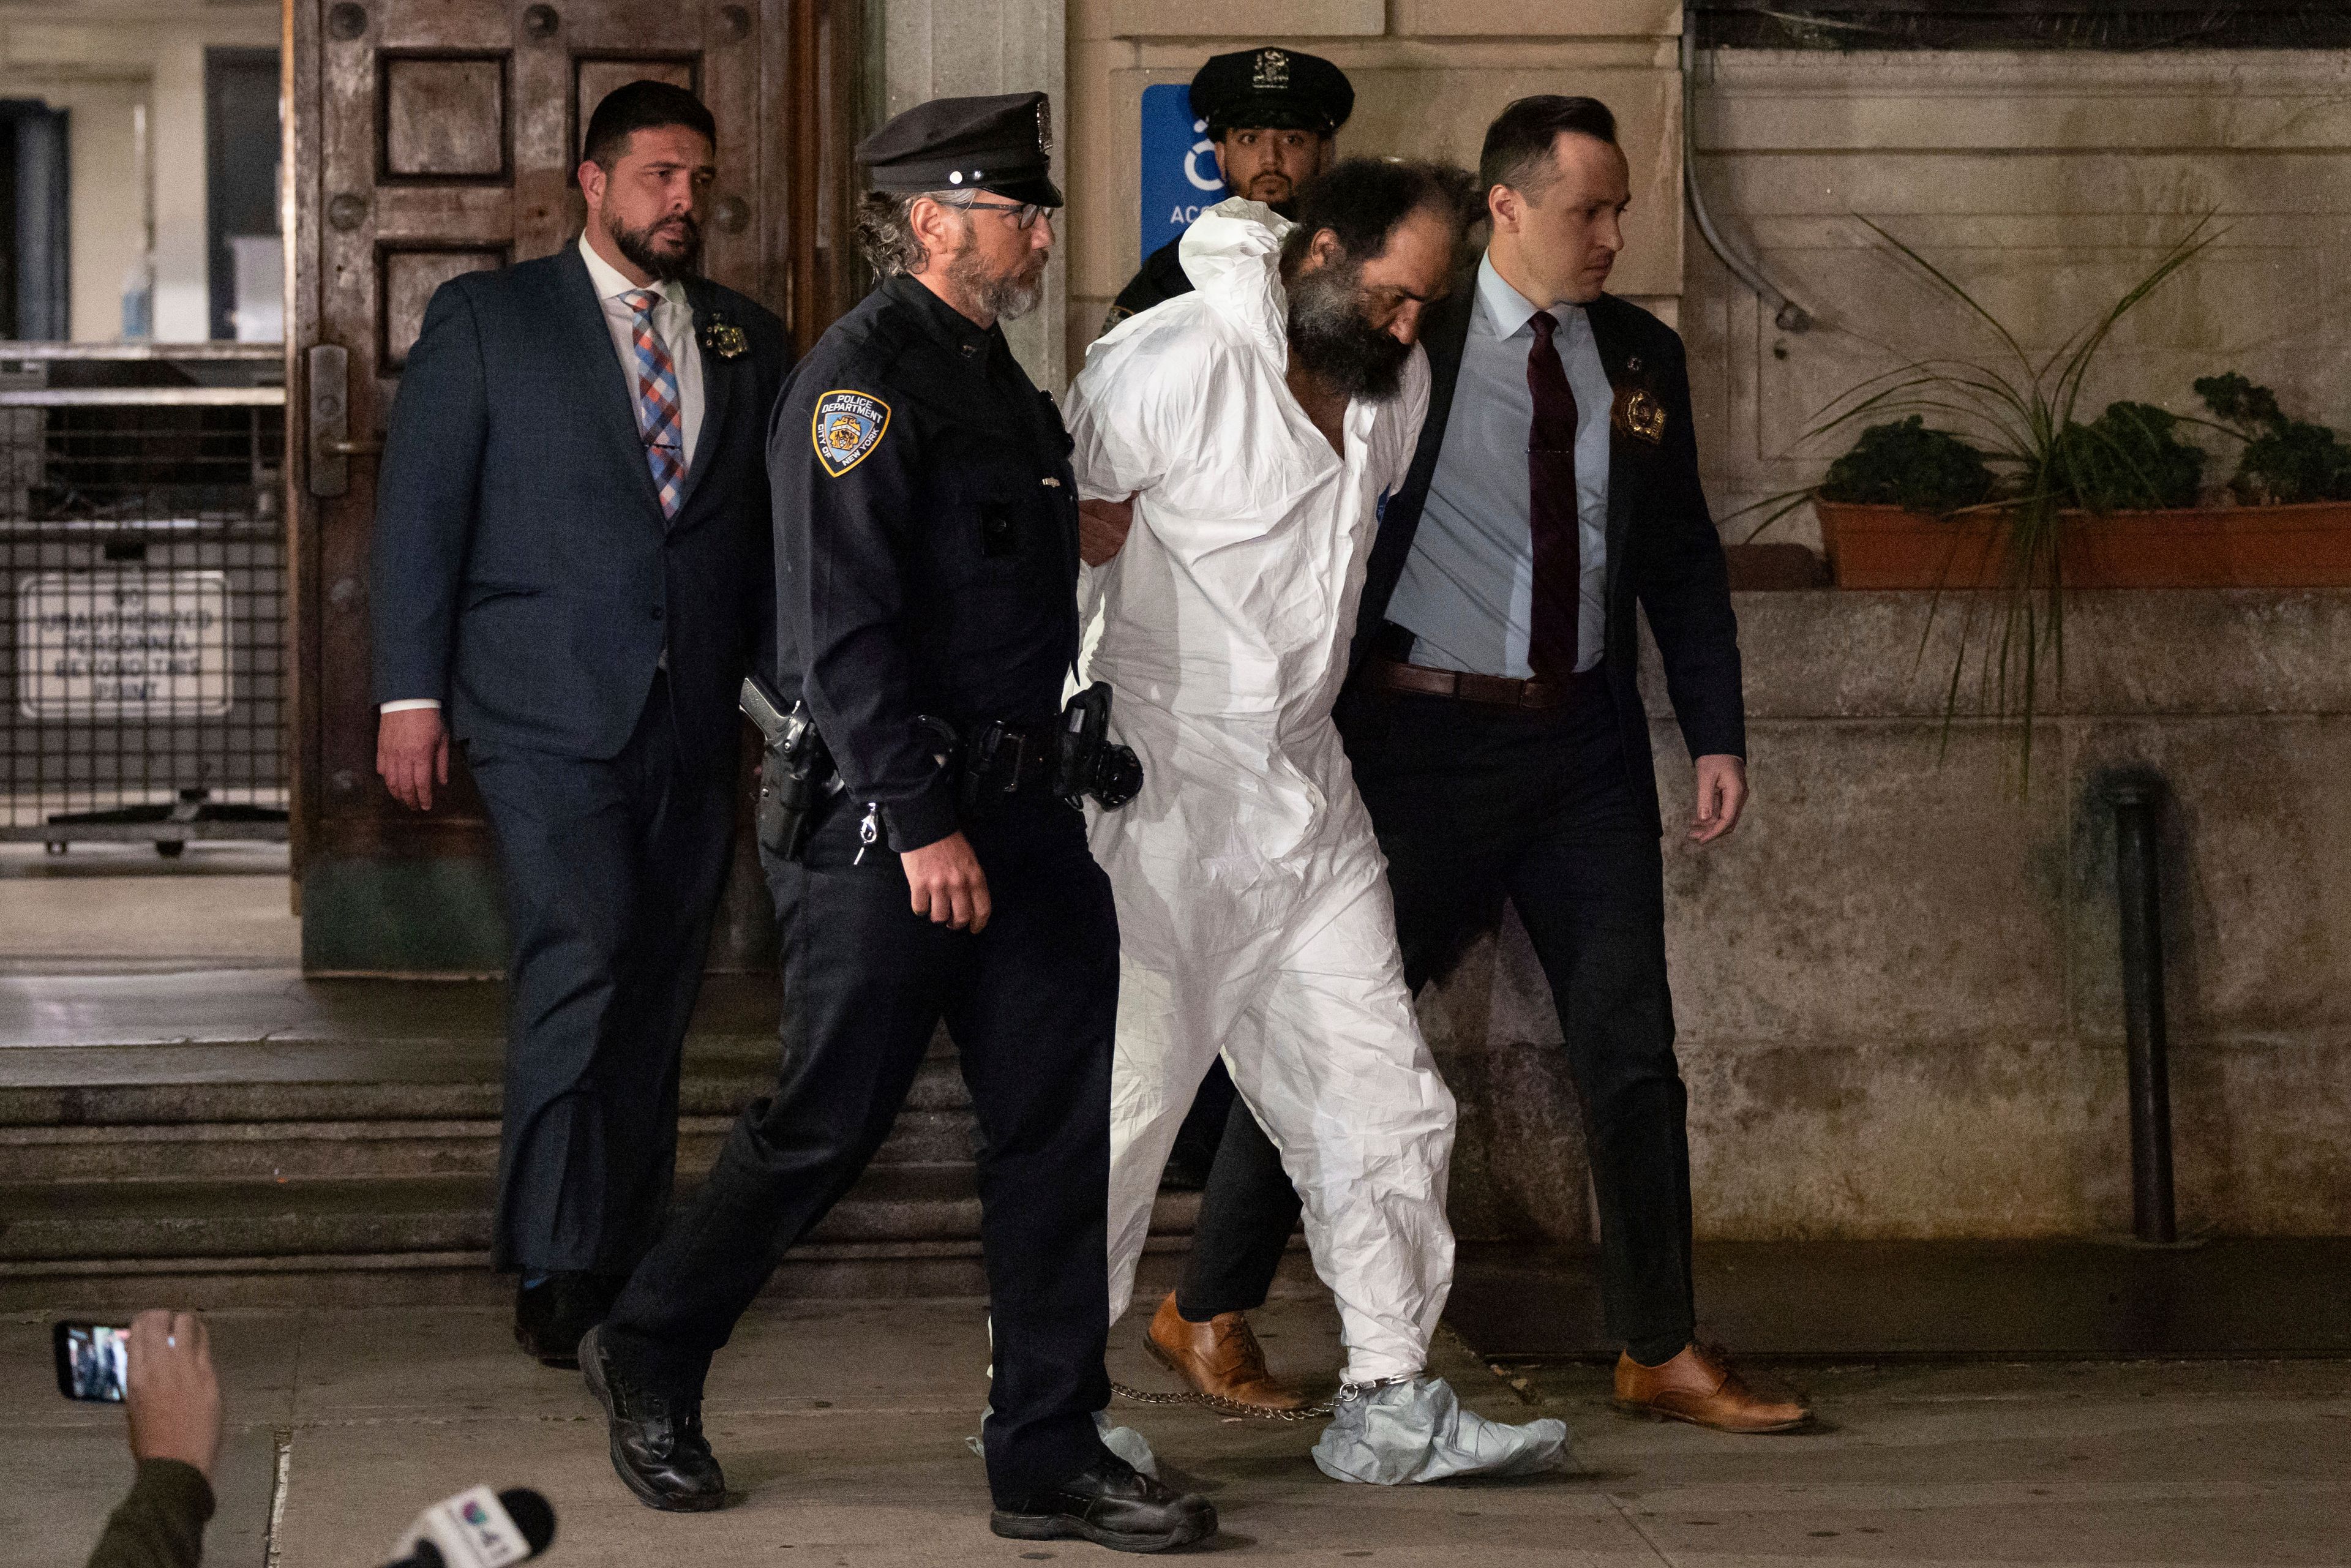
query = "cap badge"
x=1044 y=127
x=1272 y=73
x=846 y=428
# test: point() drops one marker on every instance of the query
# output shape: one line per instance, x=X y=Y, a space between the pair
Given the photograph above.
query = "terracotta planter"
x=2306 y=546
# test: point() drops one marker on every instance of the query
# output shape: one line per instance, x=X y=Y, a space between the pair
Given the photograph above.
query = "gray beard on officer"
x=637 y=245
x=1006 y=299
x=1334 y=341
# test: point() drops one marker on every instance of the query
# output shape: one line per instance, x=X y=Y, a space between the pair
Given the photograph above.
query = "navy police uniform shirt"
x=1160 y=279
x=927 y=546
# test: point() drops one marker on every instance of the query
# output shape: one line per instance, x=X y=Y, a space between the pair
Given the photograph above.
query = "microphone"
x=478 y=1529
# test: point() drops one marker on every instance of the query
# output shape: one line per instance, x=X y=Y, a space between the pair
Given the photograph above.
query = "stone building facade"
x=1899 y=988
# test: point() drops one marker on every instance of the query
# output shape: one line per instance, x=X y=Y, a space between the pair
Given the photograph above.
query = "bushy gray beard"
x=1335 y=342
x=1004 y=299
x=637 y=245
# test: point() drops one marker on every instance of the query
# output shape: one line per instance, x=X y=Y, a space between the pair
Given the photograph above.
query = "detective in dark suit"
x=570 y=561
x=1497 y=731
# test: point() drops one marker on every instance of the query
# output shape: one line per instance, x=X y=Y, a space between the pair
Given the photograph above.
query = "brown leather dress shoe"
x=1699 y=1387
x=1219 y=1358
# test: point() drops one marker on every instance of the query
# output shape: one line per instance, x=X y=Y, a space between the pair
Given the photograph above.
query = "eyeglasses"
x=1026 y=212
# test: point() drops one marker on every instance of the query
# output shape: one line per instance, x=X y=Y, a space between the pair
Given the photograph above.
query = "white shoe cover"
x=1419 y=1431
x=1128 y=1444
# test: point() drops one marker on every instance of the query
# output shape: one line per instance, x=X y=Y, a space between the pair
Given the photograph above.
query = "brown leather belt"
x=1500 y=691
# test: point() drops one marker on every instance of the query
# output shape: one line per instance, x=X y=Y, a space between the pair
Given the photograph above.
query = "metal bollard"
x=2138 y=890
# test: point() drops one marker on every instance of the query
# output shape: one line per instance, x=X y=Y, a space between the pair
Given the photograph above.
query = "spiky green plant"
x=2019 y=412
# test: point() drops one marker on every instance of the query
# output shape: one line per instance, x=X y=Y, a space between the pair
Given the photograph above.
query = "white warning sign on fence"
x=122 y=644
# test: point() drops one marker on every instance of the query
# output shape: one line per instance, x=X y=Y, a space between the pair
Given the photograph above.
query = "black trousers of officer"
x=1474 y=804
x=612 y=871
x=1031 y=1003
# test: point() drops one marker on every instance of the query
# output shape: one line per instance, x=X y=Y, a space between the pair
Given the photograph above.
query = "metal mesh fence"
x=145 y=606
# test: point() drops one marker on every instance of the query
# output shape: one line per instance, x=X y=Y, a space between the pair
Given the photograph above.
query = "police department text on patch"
x=846 y=428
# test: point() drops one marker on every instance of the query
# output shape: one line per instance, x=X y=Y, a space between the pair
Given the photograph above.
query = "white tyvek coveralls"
x=1253 y=906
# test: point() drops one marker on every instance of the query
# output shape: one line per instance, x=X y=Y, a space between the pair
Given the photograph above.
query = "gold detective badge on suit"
x=1636 y=411
x=723 y=338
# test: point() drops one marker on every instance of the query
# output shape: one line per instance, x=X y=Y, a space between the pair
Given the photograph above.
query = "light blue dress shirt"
x=1469 y=587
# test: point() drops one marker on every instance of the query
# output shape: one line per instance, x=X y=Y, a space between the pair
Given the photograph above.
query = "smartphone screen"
x=93 y=1360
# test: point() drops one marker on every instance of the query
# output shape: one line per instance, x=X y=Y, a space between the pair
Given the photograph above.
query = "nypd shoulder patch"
x=846 y=428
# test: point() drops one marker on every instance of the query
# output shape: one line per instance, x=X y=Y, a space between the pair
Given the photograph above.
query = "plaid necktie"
x=657 y=402
x=1551 y=640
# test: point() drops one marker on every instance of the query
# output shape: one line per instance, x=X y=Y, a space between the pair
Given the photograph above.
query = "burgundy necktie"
x=1551 y=510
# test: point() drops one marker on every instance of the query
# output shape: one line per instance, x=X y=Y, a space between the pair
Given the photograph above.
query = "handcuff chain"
x=1223 y=1406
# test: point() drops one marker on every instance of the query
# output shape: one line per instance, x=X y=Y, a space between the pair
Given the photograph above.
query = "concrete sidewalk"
x=841 y=1427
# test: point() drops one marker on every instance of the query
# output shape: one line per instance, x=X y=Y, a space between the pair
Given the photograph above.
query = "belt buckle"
x=1020 y=739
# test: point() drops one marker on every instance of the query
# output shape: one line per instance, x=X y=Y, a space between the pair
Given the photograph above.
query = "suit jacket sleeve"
x=848 y=545
x=425 y=503
x=1684 y=587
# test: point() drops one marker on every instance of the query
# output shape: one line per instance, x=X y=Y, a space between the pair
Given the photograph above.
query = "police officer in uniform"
x=1271 y=114
x=925 y=569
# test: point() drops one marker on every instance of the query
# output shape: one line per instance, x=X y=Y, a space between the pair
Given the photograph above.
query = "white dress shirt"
x=1469 y=587
x=673 y=321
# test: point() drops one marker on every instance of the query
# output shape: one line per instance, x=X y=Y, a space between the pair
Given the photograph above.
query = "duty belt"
x=1004 y=759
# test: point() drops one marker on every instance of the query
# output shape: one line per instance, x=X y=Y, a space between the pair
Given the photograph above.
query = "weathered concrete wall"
x=1428 y=77
x=1898 y=985
x=952 y=48
x=2045 y=182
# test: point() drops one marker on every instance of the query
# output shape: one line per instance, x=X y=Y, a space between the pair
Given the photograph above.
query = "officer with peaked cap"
x=926 y=583
x=1270 y=114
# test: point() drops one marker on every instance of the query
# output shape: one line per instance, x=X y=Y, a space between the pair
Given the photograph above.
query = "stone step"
x=261 y=1138
x=390 y=1082
x=378 y=1111
x=910 y=1231
x=385 y=1149
x=87 y=1221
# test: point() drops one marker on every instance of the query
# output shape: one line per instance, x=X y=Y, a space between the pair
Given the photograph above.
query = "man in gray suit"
x=570 y=567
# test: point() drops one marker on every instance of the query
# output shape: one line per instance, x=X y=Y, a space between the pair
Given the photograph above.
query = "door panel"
x=444 y=118
x=429 y=138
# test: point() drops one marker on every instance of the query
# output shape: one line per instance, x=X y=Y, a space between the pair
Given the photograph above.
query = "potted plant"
x=2027 y=501
x=1910 y=507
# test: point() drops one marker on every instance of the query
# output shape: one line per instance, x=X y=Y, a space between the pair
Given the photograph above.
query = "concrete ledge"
x=1829 y=654
x=1898 y=986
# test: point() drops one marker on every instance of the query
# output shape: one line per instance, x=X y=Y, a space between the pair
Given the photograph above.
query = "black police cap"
x=1001 y=145
x=1279 y=90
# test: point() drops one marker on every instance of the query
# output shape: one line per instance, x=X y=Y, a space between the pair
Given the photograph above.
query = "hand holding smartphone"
x=161 y=1365
x=93 y=1360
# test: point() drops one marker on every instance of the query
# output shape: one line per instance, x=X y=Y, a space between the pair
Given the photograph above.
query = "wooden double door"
x=428 y=137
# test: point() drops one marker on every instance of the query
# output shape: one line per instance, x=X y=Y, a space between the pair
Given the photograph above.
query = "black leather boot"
x=658 y=1448
x=1112 y=1504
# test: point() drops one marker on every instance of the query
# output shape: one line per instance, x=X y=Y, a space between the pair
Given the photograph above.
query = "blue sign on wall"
x=1179 y=165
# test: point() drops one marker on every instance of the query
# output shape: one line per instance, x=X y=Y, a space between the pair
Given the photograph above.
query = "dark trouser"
x=1248 y=1210
x=1031 y=1003
x=612 y=871
x=1473 y=804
